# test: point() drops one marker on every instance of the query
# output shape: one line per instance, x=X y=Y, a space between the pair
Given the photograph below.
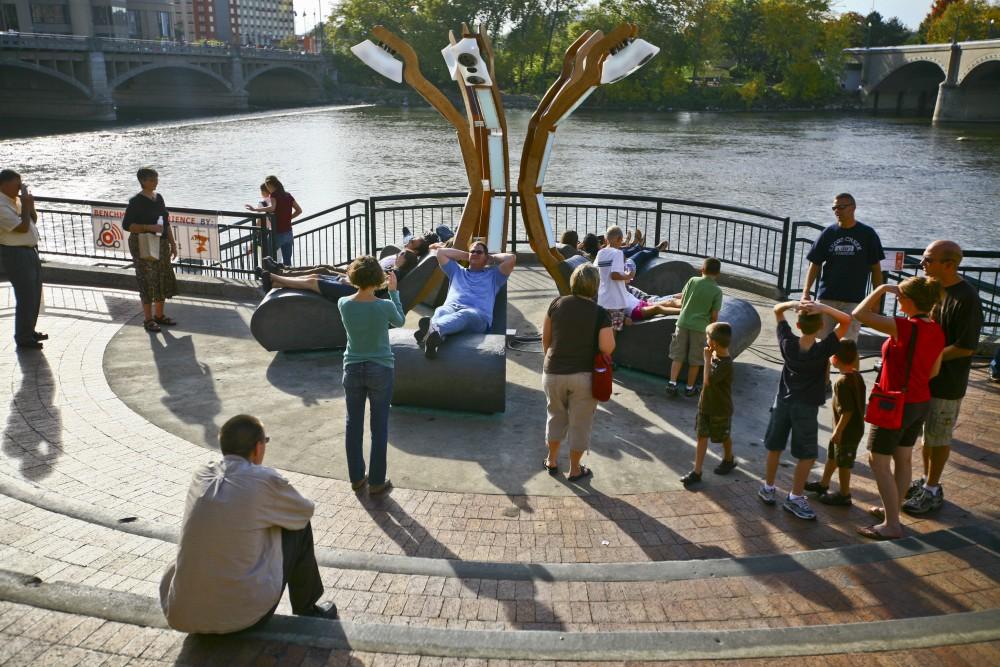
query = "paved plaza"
x=478 y=556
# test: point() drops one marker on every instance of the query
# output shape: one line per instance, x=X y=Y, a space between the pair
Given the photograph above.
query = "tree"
x=964 y=20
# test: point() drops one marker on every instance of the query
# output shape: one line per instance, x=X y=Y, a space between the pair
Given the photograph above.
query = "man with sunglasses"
x=842 y=258
x=245 y=537
x=960 y=314
x=471 y=294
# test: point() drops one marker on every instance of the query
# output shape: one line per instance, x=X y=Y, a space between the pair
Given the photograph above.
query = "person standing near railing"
x=285 y=208
x=19 y=251
x=147 y=214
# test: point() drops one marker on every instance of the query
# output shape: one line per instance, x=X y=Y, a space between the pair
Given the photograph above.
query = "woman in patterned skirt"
x=147 y=214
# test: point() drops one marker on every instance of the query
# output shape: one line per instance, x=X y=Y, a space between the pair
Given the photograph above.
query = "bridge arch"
x=49 y=72
x=34 y=91
x=982 y=70
x=124 y=78
x=174 y=86
x=910 y=89
x=282 y=85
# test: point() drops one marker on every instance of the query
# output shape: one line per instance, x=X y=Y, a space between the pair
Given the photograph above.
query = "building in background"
x=265 y=22
x=135 y=19
x=247 y=22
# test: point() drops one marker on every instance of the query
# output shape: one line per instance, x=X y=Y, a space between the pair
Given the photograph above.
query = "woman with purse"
x=151 y=243
x=900 y=399
x=574 y=331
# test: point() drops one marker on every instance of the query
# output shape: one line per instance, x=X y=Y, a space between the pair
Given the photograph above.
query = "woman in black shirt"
x=147 y=214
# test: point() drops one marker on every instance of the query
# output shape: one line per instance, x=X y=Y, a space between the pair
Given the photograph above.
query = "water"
x=914 y=182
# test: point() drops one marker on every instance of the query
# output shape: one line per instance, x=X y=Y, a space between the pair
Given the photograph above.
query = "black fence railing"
x=769 y=248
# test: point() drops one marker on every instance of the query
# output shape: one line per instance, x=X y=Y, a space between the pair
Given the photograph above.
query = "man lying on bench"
x=471 y=294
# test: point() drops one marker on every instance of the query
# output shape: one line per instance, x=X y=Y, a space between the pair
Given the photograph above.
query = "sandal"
x=872 y=533
x=165 y=321
x=876 y=512
x=552 y=469
x=151 y=326
x=584 y=472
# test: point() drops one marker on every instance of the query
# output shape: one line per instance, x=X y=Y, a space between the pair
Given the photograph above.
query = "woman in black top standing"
x=147 y=214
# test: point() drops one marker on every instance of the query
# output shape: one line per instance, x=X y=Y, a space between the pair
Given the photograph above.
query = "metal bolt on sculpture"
x=593 y=59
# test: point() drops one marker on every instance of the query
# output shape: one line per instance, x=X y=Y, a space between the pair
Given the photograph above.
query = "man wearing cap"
x=19 y=253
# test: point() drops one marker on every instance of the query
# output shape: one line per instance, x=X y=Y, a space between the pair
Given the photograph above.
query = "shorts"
x=885 y=440
x=829 y=324
x=941 y=419
x=798 y=419
x=844 y=453
x=636 y=313
x=569 y=407
x=715 y=428
x=333 y=288
x=617 y=318
x=688 y=346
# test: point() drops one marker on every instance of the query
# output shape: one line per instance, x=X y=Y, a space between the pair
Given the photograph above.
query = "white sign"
x=197 y=236
x=895 y=261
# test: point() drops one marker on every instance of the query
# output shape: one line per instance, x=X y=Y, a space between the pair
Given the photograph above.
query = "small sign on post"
x=895 y=261
x=108 y=232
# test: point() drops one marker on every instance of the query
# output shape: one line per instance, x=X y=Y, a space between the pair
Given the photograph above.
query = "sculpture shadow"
x=33 y=434
x=188 y=383
x=310 y=375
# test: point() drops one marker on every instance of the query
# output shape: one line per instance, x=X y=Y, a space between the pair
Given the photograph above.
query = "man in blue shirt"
x=843 y=257
x=471 y=294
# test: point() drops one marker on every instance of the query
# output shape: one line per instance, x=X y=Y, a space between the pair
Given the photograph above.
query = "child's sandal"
x=151 y=326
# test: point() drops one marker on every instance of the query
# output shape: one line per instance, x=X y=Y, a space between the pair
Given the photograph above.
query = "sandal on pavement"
x=151 y=326
x=552 y=469
x=165 y=321
x=872 y=533
x=584 y=472
x=876 y=512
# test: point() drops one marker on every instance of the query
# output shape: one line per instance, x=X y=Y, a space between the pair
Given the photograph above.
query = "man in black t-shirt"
x=960 y=314
x=842 y=258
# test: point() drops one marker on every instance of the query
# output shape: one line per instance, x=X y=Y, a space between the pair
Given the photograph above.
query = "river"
x=913 y=181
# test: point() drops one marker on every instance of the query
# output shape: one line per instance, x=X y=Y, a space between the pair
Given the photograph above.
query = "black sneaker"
x=257 y=272
x=828 y=498
x=816 y=487
x=422 y=326
x=925 y=502
x=672 y=390
x=690 y=479
x=726 y=467
x=916 y=486
x=329 y=612
x=271 y=265
x=431 y=345
x=691 y=392
x=265 y=281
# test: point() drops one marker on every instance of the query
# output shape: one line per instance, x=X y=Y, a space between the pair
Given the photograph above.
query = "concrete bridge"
x=91 y=78
x=958 y=82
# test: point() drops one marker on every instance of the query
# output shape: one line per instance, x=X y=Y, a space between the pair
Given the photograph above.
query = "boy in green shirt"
x=701 y=302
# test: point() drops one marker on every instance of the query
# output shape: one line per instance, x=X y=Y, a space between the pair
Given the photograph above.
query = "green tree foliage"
x=966 y=20
x=713 y=52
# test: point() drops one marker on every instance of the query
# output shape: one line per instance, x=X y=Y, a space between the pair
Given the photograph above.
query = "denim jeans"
x=24 y=270
x=283 y=241
x=452 y=318
x=800 y=420
x=371 y=382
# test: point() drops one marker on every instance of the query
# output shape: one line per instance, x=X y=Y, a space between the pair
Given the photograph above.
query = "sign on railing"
x=197 y=235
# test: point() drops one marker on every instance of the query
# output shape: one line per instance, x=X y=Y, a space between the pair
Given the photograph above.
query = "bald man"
x=960 y=314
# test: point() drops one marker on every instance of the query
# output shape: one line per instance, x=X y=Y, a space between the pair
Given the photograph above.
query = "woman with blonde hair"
x=575 y=328
x=369 y=369
x=911 y=356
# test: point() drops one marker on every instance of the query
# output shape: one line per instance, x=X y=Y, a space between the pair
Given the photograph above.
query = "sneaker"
x=836 y=499
x=379 y=489
x=799 y=507
x=271 y=265
x=916 y=486
x=360 y=484
x=690 y=479
x=995 y=371
x=672 y=390
x=423 y=325
x=431 y=344
x=726 y=467
x=924 y=502
x=816 y=487
x=329 y=612
x=265 y=281
x=691 y=391
x=767 y=495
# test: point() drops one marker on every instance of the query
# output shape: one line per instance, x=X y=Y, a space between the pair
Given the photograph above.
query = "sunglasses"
x=840 y=207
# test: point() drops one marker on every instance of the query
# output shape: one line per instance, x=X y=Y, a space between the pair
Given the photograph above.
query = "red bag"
x=885 y=407
x=600 y=379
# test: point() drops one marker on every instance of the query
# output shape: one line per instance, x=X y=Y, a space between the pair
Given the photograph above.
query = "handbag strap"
x=597 y=330
x=909 y=352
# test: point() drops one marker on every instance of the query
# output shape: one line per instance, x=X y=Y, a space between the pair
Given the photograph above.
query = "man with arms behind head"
x=245 y=536
x=960 y=314
x=842 y=258
x=19 y=252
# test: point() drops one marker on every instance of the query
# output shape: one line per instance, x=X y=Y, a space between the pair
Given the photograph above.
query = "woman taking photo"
x=571 y=326
x=891 y=450
x=368 y=369
x=281 y=209
x=147 y=214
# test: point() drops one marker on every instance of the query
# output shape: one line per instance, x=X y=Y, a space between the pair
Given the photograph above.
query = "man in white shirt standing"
x=19 y=253
x=245 y=536
x=610 y=262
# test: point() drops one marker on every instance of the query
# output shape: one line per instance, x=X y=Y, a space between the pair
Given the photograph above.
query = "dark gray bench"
x=288 y=320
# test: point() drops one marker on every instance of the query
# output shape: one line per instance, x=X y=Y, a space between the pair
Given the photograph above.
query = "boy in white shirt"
x=610 y=262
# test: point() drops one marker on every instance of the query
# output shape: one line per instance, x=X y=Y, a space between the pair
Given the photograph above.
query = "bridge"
x=91 y=78
x=958 y=82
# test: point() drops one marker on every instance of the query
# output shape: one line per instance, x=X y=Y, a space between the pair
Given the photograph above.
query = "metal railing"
x=45 y=41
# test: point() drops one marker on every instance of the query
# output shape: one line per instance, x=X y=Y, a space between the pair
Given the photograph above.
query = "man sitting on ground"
x=245 y=536
x=471 y=294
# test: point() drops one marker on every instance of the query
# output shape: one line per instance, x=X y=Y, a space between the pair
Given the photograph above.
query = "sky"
x=910 y=12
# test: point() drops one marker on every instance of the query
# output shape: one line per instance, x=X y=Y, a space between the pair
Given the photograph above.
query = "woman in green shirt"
x=368 y=368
